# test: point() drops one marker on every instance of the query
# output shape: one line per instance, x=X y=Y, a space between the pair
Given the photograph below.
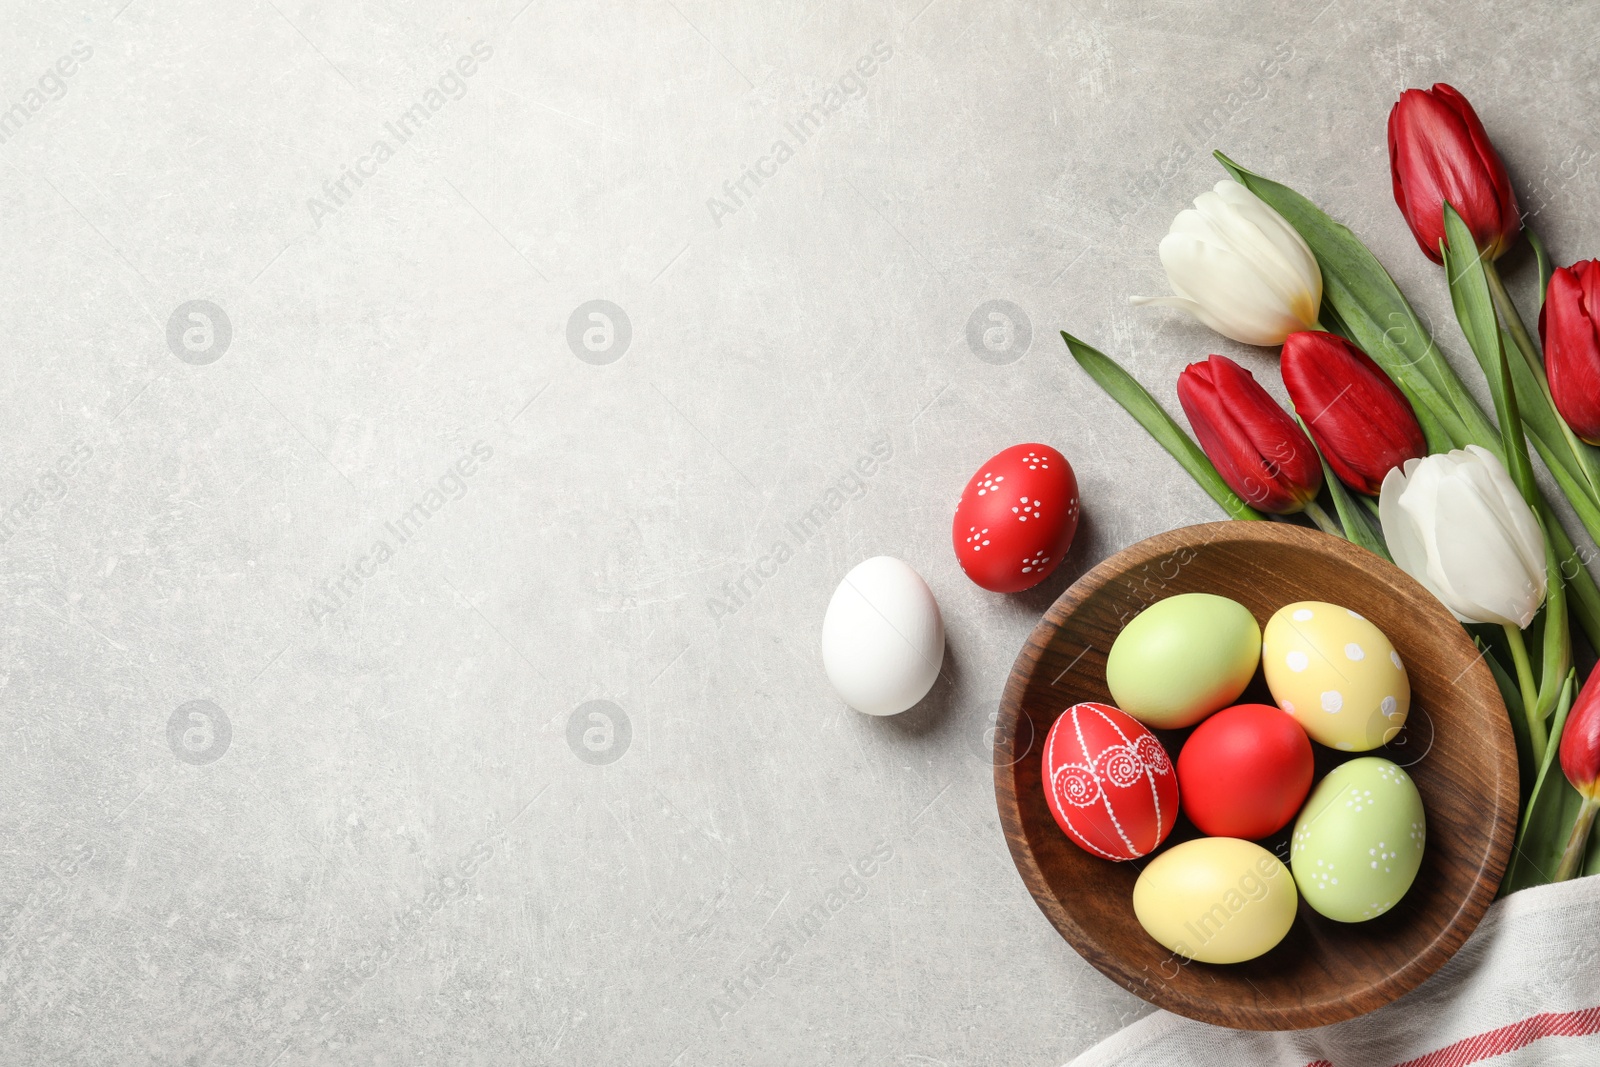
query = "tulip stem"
x=1325 y=522
x=1530 y=692
x=1514 y=325
x=1572 y=857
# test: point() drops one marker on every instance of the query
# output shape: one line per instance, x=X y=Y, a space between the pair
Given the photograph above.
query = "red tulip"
x=1580 y=762
x=1358 y=417
x=1438 y=152
x=1580 y=741
x=1568 y=326
x=1257 y=448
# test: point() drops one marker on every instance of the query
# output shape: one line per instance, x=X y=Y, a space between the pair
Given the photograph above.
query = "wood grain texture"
x=1457 y=747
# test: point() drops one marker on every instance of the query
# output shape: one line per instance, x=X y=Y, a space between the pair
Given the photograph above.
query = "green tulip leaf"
x=1357 y=530
x=1577 y=495
x=1591 y=856
x=1328 y=318
x=1542 y=258
x=1583 y=595
x=1571 y=462
x=1133 y=397
x=1550 y=813
x=1474 y=304
x=1512 y=695
x=1555 y=643
x=1551 y=435
x=1438 y=436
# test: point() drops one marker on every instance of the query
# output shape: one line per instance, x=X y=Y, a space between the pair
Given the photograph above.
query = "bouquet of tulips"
x=1385 y=431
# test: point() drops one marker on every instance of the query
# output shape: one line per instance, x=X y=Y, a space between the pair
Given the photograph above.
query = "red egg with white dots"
x=1108 y=782
x=1016 y=518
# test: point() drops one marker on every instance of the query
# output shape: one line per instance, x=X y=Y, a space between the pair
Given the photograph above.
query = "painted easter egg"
x=1108 y=782
x=1216 y=900
x=1358 y=843
x=1337 y=674
x=1016 y=518
x=1245 y=771
x=1182 y=658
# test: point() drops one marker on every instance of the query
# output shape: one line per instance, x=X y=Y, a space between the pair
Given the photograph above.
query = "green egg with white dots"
x=1182 y=658
x=1358 y=842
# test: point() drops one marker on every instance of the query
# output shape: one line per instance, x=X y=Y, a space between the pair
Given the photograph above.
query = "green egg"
x=1358 y=842
x=1182 y=658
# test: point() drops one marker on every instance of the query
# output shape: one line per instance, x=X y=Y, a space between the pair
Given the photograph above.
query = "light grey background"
x=290 y=894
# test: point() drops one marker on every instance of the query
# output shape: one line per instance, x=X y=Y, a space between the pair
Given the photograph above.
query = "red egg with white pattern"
x=1109 y=783
x=1016 y=518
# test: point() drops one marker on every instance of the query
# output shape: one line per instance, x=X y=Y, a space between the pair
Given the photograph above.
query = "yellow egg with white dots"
x=1336 y=674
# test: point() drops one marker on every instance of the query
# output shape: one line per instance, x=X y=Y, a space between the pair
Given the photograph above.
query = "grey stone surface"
x=526 y=785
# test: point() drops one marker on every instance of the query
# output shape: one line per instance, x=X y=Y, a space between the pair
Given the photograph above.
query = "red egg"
x=1245 y=771
x=1109 y=782
x=1016 y=518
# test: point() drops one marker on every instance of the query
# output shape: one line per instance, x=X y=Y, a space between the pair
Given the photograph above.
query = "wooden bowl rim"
x=1340 y=1003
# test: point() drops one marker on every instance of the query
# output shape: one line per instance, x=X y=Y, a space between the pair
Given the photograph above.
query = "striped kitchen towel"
x=1523 y=990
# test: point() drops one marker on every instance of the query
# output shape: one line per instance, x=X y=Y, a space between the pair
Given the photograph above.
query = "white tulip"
x=1240 y=268
x=1456 y=523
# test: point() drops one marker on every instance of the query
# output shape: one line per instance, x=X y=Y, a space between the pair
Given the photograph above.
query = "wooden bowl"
x=1457 y=747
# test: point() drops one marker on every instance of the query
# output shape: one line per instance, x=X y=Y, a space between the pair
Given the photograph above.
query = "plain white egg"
x=883 y=637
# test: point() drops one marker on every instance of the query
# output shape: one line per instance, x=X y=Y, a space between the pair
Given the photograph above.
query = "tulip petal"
x=1466 y=547
x=1229 y=293
x=1475 y=552
x=1438 y=153
x=1400 y=531
x=1580 y=742
x=1423 y=500
x=1249 y=224
x=1362 y=423
x=1242 y=267
x=1495 y=202
x=1238 y=229
x=1567 y=326
x=1405 y=511
x=1521 y=525
x=1252 y=442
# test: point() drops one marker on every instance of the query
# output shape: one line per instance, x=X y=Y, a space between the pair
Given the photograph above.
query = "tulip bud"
x=1439 y=152
x=1455 y=522
x=1580 y=762
x=1580 y=742
x=1240 y=268
x=1568 y=327
x=1359 y=419
x=1257 y=448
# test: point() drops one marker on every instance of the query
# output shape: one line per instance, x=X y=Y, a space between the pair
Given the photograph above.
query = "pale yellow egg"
x=1216 y=900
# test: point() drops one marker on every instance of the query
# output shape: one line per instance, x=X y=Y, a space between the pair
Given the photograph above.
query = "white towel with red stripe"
x=1523 y=990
